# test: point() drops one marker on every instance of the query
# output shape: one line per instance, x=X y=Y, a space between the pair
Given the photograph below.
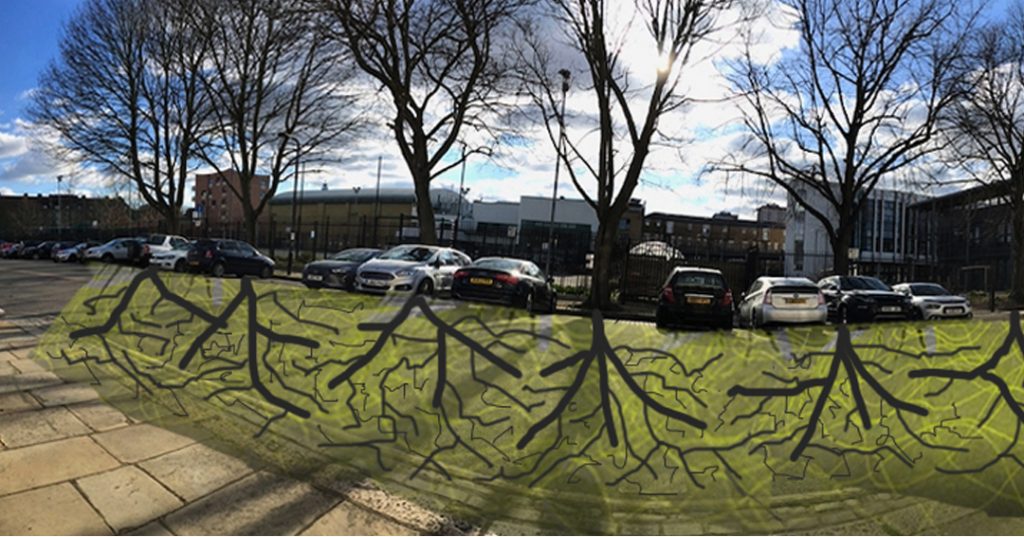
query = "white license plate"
x=954 y=310
x=891 y=309
x=372 y=283
x=314 y=277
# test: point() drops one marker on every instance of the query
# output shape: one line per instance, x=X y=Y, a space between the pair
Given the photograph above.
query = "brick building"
x=723 y=236
x=215 y=202
x=46 y=216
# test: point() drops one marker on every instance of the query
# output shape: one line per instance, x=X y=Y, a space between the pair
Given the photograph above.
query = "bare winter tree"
x=440 y=63
x=275 y=92
x=627 y=106
x=985 y=126
x=856 y=104
x=123 y=95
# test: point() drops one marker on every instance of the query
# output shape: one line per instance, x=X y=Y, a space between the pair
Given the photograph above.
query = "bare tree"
x=440 y=63
x=985 y=126
x=626 y=114
x=274 y=95
x=123 y=96
x=858 y=102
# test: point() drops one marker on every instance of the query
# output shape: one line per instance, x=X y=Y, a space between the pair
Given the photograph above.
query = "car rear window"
x=498 y=264
x=806 y=289
x=156 y=239
x=698 y=279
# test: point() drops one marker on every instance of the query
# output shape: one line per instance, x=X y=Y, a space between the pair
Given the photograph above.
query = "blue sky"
x=30 y=30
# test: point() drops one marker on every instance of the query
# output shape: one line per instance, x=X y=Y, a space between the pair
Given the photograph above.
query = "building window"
x=798 y=255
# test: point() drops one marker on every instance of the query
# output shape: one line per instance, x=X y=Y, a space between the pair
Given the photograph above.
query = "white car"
x=415 y=268
x=126 y=249
x=160 y=243
x=73 y=254
x=773 y=300
x=174 y=259
x=933 y=301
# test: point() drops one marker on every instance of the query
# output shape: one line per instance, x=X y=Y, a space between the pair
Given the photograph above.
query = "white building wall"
x=567 y=211
x=496 y=212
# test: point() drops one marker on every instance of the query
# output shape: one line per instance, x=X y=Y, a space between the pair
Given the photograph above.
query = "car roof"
x=785 y=280
x=696 y=269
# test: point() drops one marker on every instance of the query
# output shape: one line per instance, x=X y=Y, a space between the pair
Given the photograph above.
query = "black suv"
x=862 y=299
x=223 y=256
x=695 y=296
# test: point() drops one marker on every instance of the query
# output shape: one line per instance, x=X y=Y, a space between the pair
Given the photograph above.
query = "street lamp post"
x=376 y=204
x=558 y=161
x=60 y=225
x=295 y=192
x=356 y=190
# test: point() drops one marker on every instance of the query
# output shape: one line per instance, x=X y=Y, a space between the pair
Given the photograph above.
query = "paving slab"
x=17 y=402
x=153 y=528
x=27 y=366
x=27 y=381
x=27 y=428
x=140 y=442
x=8 y=356
x=65 y=394
x=99 y=416
x=127 y=497
x=52 y=462
x=53 y=510
x=196 y=470
x=261 y=504
x=7 y=369
x=348 y=519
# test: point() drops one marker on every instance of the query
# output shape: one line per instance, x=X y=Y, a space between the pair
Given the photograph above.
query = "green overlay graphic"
x=558 y=424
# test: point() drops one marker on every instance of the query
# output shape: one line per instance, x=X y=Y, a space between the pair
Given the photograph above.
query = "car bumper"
x=794 y=315
x=330 y=279
x=947 y=312
x=166 y=264
x=404 y=284
x=484 y=294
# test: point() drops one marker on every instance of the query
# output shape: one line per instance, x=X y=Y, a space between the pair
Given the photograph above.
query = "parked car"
x=223 y=256
x=173 y=259
x=862 y=299
x=931 y=301
x=503 y=280
x=773 y=300
x=411 y=268
x=339 y=270
x=692 y=295
x=160 y=243
x=130 y=250
x=13 y=249
x=59 y=246
x=73 y=254
x=39 y=250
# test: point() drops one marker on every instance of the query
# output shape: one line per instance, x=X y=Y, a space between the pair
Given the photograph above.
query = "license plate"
x=954 y=310
x=314 y=277
x=698 y=300
x=481 y=281
x=194 y=263
x=891 y=309
x=371 y=283
x=796 y=301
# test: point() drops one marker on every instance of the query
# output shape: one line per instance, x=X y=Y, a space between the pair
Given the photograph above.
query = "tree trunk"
x=425 y=212
x=1017 y=284
x=600 y=284
x=841 y=248
x=250 y=228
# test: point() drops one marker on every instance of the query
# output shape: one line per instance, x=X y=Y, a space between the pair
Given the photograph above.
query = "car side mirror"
x=742 y=297
x=436 y=263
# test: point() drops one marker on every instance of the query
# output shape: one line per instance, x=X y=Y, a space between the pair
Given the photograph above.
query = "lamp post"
x=376 y=204
x=356 y=190
x=558 y=161
x=295 y=191
x=60 y=226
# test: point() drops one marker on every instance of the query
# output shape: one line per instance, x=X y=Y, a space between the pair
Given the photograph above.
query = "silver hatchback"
x=775 y=300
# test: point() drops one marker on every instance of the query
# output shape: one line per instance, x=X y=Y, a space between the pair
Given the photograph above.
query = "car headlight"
x=405 y=272
x=932 y=305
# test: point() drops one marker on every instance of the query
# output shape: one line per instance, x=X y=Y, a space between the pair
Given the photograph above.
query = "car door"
x=832 y=293
x=750 y=299
x=541 y=288
x=120 y=250
x=231 y=257
x=253 y=260
x=446 y=272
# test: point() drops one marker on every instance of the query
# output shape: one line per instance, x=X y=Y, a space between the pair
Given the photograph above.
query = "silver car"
x=774 y=300
x=933 y=301
x=415 y=268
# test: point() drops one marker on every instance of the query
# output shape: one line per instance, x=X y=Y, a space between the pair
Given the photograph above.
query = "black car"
x=863 y=299
x=339 y=270
x=40 y=250
x=224 y=256
x=694 y=295
x=503 y=280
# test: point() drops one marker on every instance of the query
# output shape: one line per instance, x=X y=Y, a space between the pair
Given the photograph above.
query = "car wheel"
x=107 y=258
x=266 y=272
x=726 y=325
x=179 y=265
x=72 y=259
x=426 y=287
x=660 y=320
x=915 y=314
x=528 y=301
x=844 y=314
x=553 y=303
x=218 y=270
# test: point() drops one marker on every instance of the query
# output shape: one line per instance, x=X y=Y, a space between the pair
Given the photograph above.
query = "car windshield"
x=408 y=253
x=357 y=255
x=156 y=239
x=863 y=283
x=928 y=289
x=498 y=264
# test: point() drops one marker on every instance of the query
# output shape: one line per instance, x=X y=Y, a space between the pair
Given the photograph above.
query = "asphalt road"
x=38 y=288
